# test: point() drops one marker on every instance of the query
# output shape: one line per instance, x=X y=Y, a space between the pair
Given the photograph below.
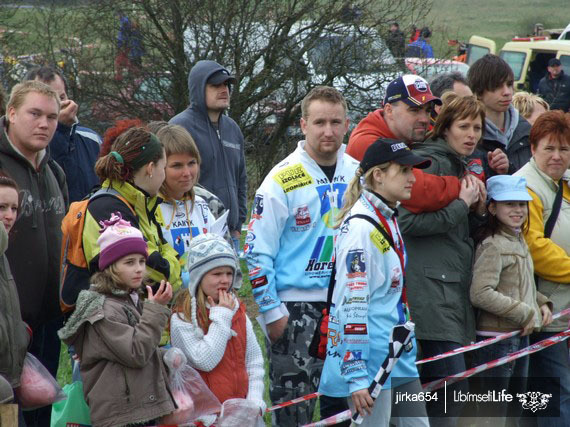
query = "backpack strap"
x=551 y=221
x=110 y=191
x=333 y=273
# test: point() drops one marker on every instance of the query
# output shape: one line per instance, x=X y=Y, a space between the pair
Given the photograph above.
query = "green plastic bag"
x=73 y=411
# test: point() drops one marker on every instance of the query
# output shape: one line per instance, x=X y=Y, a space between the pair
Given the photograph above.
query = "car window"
x=515 y=61
x=476 y=52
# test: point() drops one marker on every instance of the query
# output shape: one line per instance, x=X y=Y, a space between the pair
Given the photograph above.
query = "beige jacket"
x=503 y=284
x=124 y=377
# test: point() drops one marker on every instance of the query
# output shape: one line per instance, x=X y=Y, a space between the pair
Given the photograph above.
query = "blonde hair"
x=354 y=189
x=183 y=308
x=21 y=91
x=525 y=103
x=177 y=140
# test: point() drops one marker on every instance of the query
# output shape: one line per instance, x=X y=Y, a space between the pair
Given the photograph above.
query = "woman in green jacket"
x=440 y=249
x=132 y=173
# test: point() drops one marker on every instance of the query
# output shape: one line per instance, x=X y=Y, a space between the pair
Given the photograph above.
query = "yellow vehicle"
x=528 y=57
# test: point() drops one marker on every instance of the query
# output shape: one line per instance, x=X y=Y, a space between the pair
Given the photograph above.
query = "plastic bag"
x=37 y=387
x=73 y=410
x=240 y=412
x=193 y=397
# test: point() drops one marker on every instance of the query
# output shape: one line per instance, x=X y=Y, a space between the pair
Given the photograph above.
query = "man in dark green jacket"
x=25 y=132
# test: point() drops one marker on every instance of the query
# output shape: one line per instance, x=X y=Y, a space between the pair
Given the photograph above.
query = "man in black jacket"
x=25 y=132
x=554 y=88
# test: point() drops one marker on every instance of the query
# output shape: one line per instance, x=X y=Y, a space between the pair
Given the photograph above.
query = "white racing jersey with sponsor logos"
x=366 y=304
x=290 y=239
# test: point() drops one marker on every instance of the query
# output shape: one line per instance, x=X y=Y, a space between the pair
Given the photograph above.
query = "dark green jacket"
x=14 y=337
x=440 y=255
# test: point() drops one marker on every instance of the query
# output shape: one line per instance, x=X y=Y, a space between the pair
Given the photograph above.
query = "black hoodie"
x=223 y=161
x=35 y=246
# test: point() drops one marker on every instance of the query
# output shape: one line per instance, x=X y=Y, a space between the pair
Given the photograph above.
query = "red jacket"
x=229 y=379
x=430 y=192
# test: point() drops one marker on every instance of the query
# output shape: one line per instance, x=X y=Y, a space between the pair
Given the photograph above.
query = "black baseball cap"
x=221 y=76
x=391 y=150
x=554 y=62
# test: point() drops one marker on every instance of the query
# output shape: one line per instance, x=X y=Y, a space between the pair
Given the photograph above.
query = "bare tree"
x=278 y=50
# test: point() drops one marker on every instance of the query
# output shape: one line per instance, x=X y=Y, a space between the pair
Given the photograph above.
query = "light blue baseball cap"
x=503 y=188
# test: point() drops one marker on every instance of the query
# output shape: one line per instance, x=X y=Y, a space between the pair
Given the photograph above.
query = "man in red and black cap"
x=406 y=116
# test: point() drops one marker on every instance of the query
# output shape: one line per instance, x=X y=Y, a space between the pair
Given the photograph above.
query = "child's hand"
x=225 y=299
x=163 y=295
x=546 y=315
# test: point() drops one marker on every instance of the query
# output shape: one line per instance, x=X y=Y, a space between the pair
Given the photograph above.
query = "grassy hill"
x=499 y=20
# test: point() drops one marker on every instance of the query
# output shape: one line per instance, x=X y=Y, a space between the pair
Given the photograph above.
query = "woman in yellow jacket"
x=132 y=174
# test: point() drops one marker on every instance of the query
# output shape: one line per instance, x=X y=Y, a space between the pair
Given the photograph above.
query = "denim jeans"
x=432 y=371
x=511 y=376
x=553 y=363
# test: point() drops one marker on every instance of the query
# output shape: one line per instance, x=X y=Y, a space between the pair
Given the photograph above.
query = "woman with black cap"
x=369 y=298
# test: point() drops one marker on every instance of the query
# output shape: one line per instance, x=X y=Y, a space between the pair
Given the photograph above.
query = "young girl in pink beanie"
x=117 y=335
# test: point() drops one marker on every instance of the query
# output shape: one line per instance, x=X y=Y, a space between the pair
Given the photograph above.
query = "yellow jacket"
x=162 y=262
x=551 y=256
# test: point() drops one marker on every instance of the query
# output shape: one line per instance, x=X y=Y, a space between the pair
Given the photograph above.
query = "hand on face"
x=225 y=299
x=68 y=112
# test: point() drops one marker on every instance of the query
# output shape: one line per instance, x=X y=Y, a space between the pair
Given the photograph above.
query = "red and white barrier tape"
x=294 y=401
x=330 y=421
x=483 y=343
x=457 y=377
x=541 y=345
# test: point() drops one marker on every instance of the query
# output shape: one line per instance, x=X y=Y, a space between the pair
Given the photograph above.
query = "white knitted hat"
x=206 y=252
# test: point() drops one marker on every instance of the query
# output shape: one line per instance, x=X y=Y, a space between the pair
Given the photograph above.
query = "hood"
x=88 y=308
x=492 y=132
x=197 y=79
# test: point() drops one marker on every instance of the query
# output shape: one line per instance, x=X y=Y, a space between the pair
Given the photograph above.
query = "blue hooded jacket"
x=222 y=150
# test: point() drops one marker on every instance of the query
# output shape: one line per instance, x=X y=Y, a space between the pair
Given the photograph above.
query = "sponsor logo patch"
x=331 y=202
x=258 y=281
x=257 y=208
x=302 y=215
x=321 y=261
x=292 y=178
x=355 y=329
x=355 y=265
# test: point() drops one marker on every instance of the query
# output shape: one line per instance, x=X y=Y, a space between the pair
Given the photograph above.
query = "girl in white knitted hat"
x=211 y=326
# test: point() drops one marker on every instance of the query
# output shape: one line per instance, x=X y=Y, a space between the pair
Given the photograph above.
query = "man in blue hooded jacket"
x=219 y=139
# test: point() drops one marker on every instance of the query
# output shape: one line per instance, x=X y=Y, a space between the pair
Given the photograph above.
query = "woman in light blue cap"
x=504 y=291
